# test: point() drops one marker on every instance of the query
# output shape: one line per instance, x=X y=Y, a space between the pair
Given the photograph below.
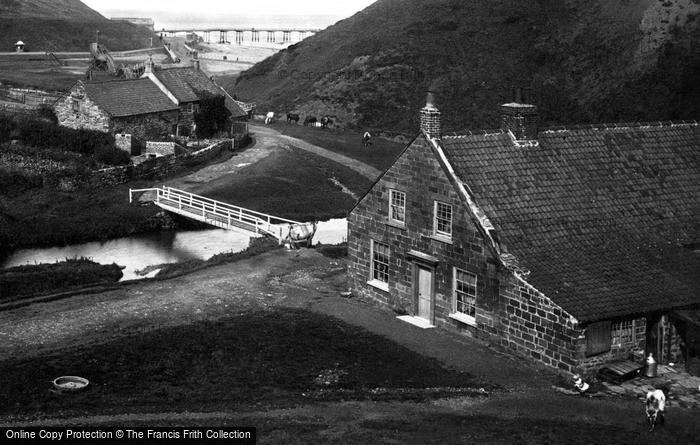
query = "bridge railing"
x=218 y=213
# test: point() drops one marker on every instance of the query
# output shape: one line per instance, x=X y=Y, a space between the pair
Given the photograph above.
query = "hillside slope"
x=582 y=61
x=64 y=25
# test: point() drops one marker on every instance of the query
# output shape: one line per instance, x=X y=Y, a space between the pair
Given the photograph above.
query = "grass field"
x=292 y=184
x=381 y=154
x=277 y=358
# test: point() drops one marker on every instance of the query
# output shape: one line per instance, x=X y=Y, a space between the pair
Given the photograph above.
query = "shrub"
x=112 y=156
x=42 y=134
x=212 y=115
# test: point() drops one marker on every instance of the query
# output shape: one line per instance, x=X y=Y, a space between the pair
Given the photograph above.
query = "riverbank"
x=25 y=281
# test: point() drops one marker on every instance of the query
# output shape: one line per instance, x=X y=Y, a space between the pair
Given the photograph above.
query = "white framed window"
x=190 y=107
x=442 y=219
x=76 y=105
x=622 y=332
x=380 y=265
x=464 y=295
x=397 y=206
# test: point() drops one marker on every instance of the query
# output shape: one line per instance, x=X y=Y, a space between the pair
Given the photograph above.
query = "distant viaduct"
x=271 y=34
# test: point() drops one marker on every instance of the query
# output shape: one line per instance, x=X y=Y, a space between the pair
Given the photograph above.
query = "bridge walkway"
x=216 y=213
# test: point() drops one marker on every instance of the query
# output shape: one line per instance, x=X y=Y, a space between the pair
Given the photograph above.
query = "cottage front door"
x=425 y=293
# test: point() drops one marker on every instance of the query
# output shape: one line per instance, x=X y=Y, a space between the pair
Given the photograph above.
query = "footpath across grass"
x=261 y=359
x=381 y=154
x=292 y=184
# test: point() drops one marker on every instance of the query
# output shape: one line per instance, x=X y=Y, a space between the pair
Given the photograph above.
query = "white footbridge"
x=216 y=213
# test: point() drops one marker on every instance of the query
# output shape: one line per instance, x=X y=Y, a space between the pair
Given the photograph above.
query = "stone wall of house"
x=147 y=127
x=534 y=326
x=89 y=115
x=420 y=176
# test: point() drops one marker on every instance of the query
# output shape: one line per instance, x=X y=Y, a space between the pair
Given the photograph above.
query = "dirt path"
x=267 y=141
x=270 y=134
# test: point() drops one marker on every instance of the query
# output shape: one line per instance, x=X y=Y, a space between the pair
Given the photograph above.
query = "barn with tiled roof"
x=573 y=246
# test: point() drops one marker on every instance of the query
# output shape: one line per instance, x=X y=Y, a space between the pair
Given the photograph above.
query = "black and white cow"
x=655 y=406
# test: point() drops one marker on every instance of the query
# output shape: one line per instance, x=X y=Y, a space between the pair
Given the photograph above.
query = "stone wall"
x=89 y=115
x=534 y=326
x=156 y=167
x=164 y=148
x=30 y=97
x=146 y=127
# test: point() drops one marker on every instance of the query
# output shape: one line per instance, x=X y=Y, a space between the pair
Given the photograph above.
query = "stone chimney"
x=195 y=64
x=519 y=118
x=430 y=118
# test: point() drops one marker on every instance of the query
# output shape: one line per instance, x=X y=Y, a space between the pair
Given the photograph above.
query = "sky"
x=341 y=9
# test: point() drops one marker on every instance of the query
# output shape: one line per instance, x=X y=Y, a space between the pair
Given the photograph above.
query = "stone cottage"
x=136 y=108
x=160 y=104
x=572 y=246
x=186 y=87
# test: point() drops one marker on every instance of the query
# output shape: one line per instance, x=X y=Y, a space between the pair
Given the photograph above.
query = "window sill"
x=381 y=285
x=442 y=238
x=462 y=318
x=395 y=224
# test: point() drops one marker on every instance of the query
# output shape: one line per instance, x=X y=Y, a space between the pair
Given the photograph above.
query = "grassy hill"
x=64 y=25
x=581 y=61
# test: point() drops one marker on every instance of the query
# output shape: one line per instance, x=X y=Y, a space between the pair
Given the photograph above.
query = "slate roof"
x=187 y=85
x=599 y=216
x=135 y=97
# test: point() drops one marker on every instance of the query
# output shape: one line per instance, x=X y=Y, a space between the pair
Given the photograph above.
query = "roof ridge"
x=621 y=125
x=468 y=133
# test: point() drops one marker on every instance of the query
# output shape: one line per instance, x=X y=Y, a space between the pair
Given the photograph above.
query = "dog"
x=655 y=407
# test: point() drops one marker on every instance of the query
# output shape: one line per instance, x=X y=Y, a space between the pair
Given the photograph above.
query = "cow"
x=269 y=117
x=655 y=406
x=292 y=117
x=310 y=120
x=301 y=234
x=326 y=121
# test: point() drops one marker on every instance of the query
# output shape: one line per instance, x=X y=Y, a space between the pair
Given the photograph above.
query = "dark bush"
x=112 y=156
x=212 y=116
x=16 y=181
x=46 y=113
x=42 y=134
x=7 y=127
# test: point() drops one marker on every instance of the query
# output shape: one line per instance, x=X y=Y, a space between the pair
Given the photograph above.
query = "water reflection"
x=140 y=251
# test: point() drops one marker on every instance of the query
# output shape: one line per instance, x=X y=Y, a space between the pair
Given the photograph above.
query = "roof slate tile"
x=606 y=210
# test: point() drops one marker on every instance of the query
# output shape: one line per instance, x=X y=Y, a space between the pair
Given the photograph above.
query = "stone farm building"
x=572 y=246
x=160 y=104
x=187 y=87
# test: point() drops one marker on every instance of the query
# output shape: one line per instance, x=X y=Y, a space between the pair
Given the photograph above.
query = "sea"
x=166 y=20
